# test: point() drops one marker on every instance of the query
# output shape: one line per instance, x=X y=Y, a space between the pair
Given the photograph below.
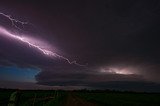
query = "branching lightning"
x=14 y=21
x=31 y=44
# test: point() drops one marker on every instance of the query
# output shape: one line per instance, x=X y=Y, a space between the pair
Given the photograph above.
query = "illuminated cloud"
x=124 y=71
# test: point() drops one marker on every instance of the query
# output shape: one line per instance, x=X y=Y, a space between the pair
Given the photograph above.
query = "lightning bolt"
x=14 y=21
x=24 y=40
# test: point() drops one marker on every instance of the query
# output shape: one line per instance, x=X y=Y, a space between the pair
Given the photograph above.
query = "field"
x=77 y=98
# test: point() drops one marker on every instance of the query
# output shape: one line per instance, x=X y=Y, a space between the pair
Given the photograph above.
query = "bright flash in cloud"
x=123 y=71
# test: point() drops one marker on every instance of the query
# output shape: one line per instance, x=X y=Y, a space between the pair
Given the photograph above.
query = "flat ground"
x=80 y=98
x=73 y=100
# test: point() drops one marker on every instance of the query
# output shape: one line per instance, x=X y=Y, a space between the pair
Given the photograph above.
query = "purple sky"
x=118 y=40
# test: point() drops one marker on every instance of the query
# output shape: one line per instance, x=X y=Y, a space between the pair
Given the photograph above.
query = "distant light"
x=116 y=71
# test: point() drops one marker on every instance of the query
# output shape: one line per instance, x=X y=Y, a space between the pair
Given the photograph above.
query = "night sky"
x=118 y=41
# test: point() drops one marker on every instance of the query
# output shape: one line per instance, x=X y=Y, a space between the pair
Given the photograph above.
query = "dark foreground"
x=77 y=98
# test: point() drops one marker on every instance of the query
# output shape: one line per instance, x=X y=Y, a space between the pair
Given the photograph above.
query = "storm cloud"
x=118 y=40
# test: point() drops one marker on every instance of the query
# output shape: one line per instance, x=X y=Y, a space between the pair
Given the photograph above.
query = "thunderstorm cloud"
x=118 y=40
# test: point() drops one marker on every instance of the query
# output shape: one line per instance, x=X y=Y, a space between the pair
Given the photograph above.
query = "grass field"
x=121 y=98
x=78 y=98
